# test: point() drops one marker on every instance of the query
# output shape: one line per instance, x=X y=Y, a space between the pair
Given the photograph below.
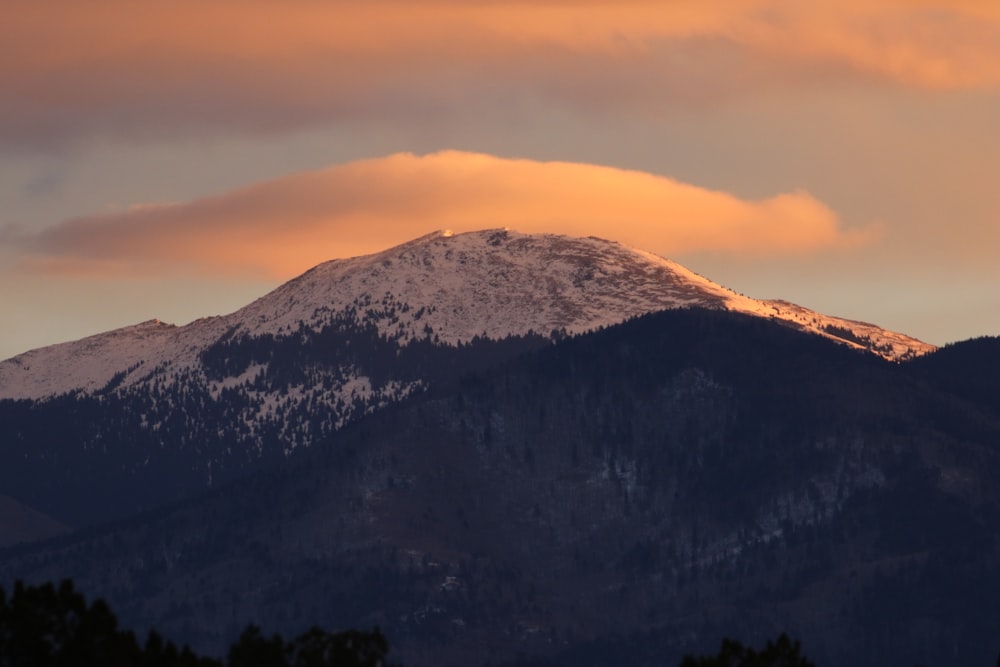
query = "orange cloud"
x=280 y=228
x=159 y=67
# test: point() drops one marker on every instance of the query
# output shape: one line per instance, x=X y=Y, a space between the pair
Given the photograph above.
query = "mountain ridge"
x=492 y=283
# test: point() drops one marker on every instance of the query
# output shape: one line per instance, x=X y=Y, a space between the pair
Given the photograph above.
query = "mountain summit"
x=440 y=287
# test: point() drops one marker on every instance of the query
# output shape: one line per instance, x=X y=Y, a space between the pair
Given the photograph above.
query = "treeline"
x=50 y=626
x=348 y=345
x=781 y=653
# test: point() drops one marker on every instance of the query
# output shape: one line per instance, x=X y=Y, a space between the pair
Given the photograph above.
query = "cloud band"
x=282 y=227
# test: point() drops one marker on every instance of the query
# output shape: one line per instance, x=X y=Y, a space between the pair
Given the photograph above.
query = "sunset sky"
x=174 y=159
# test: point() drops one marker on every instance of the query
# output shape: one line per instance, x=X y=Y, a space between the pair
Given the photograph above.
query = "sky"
x=176 y=159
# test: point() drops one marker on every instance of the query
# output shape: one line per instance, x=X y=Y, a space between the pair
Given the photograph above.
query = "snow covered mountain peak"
x=443 y=287
x=499 y=282
x=491 y=283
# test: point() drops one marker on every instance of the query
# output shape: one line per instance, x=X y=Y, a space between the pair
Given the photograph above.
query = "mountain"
x=621 y=497
x=442 y=287
x=158 y=412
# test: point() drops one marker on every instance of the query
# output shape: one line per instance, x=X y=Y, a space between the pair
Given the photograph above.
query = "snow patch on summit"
x=495 y=283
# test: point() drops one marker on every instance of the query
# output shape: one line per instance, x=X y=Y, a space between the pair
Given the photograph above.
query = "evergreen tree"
x=255 y=650
x=780 y=653
x=45 y=626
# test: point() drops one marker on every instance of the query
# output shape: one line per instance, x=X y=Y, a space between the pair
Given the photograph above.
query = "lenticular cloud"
x=282 y=227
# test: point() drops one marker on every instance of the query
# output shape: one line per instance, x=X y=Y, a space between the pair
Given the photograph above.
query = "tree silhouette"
x=45 y=626
x=317 y=648
x=314 y=648
x=780 y=653
x=255 y=650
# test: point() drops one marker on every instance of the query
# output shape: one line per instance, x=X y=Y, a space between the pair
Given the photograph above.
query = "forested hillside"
x=640 y=491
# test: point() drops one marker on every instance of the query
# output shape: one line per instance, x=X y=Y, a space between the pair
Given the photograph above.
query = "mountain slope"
x=23 y=524
x=698 y=473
